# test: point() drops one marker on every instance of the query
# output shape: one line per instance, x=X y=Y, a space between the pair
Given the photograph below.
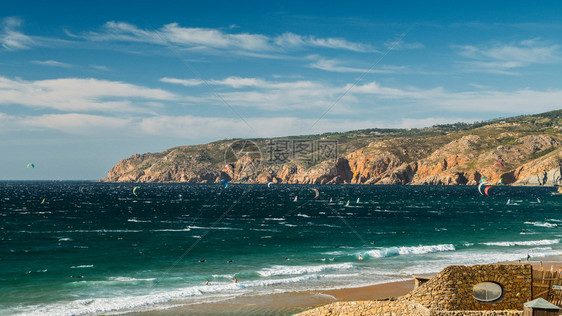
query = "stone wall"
x=449 y=293
x=451 y=289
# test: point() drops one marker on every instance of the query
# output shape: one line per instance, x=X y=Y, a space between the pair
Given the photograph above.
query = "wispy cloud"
x=100 y=67
x=371 y=96
x=517 y=101
x=403 y=45
x=291 y=40
x=506 y=58
x=335 y=65
x=11 y=37
x=81 y=95
x=188 y=127
x=53 y=63
x=70 y=123
x=266 y=95
x=78 y=124
x=218 y=39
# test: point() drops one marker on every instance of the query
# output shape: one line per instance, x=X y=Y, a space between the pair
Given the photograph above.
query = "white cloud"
x=70 y=123
x=53 y=63
x=504 y=58
x=10 y=36
x=516 y=102
x=241 y=82
x=100 y=67
x=334 y=65
x=314 y=95
x=190 y=127
x=79 y=124
x=267 y=95
x=80 y=95
x=290 y=40
x=403 y=45
x=208 y=38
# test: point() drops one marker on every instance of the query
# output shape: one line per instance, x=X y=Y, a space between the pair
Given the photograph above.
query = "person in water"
x=235 y=280
x=360 y=257
x=78 y=276
x=207 y=282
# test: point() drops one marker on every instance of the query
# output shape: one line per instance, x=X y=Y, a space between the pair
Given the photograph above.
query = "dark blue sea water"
x=137 y=252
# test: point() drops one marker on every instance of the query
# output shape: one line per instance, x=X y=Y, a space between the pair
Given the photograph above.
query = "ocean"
x=76 y=248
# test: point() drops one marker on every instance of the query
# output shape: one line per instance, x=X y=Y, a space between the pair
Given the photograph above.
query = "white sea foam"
x=416 y=250
x=303 y=215
x=134 y=220
x=122 y=303
x=82 y=266
x=296 y=270
x=542 y=224
x=334 y=253
x=523 y=243
x=65 y=239
x=215 y=228
x=129 y=279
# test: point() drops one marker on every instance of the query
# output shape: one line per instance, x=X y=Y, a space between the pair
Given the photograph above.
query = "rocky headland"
x=524 y=150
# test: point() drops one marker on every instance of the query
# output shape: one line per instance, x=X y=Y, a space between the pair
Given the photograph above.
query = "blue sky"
x=83 y=85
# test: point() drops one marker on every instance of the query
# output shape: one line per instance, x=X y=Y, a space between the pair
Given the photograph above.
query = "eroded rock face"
x=526 y=160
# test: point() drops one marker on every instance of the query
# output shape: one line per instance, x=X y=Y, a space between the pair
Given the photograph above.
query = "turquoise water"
x=128 y=252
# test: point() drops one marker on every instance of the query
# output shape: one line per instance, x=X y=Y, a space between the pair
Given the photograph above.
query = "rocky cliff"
x=524 y=150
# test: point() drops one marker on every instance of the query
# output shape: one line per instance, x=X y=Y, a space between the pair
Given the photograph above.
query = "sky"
x=86 y=84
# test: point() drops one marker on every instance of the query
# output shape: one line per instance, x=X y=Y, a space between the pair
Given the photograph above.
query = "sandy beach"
x=294 y=302
x=288 y=303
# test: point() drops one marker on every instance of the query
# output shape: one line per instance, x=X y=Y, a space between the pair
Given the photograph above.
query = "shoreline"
x=289 y=303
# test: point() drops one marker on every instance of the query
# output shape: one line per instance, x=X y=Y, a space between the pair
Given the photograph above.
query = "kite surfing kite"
x=225 y=183
x=317 y=193
x=135 y=190
x=30 y=165
x=499 y=163
x=269 y=184
x=488 y=186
